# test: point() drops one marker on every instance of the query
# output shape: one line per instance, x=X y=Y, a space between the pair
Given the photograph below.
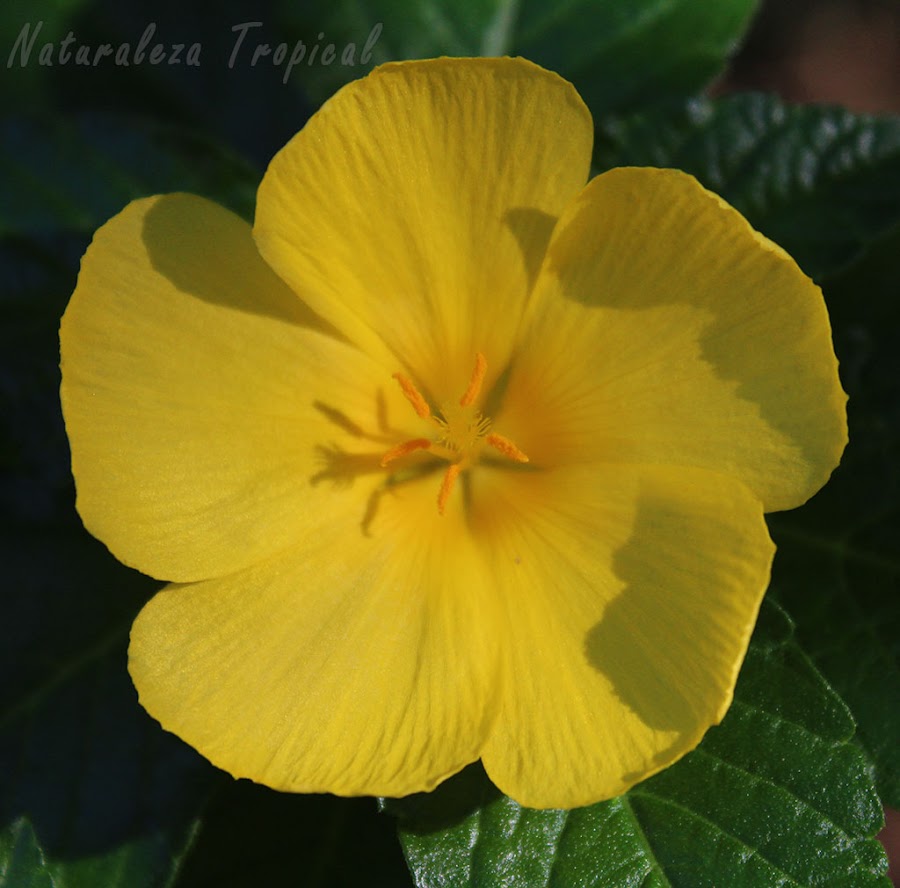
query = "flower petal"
x=666 y=330
x=631 y=595
x=354 y=664
x=413 y=210
x=203 y=400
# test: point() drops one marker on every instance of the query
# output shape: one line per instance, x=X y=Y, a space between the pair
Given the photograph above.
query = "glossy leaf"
x=776 y=795
x=825 y=184
x=821 y=182
x=22 y=863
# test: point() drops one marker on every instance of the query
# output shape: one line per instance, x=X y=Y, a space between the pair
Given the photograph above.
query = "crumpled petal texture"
x=578 y=621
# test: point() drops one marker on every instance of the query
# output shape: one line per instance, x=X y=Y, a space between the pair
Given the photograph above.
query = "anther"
x=419 y=404
x=450 y=477
x=405 y=448
x=506 y=447
x=474 y=389
x=463 y=431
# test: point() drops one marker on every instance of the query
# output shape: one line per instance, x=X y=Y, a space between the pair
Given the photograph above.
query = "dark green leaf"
x=630 y=54
x=839 y=562
x=109 y=797
x=619 y=54
x=821 y=182
x=825 y=184
x=776 y=795
x=92 y=792
x=22 y=862
x=73 y=174
x=25 y=84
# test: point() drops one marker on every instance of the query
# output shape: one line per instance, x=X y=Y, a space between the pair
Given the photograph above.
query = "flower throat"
x=462 y=431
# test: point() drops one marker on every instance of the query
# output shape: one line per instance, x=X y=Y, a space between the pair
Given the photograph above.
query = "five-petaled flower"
x=452 y=455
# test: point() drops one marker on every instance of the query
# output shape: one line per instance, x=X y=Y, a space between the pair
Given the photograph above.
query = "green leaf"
x=26 y=84
x=74 y=173
x=776 y=795
x=821 y=182
x=619 y=54
x=21 y=859
x=631 y=54
x=109 y=797
x=92 y=792
x=839 y=566
x=825 y=184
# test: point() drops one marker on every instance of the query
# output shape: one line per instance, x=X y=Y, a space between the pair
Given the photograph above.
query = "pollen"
x=460 y=432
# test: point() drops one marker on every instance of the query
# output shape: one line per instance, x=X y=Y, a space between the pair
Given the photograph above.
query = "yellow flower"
x=452 y=456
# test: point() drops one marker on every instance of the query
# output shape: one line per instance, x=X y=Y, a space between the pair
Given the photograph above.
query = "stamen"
x=450 y=477
x=419 y=404
x=506 y=447
x=474 y=388
x=405 y=448
x=463 y=432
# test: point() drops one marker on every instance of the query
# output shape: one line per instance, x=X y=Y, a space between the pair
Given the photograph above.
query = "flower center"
x=462 y=431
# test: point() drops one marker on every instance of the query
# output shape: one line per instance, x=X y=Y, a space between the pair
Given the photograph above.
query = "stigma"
x=462 y=432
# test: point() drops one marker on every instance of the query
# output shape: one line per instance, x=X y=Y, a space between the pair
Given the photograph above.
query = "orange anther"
x=474 y=388
x=450 y=477
x=506 y=447
x=405 y=448
x=419 y=404
x=463 y=432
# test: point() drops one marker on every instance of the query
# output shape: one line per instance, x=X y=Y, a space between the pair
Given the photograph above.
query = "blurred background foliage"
x=93 y=793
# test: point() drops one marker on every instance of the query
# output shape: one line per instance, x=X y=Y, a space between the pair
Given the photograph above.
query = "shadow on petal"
x=627 y=644
x=646 y=238
x=693 y=571
x=198 y=245
x=532 y=229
